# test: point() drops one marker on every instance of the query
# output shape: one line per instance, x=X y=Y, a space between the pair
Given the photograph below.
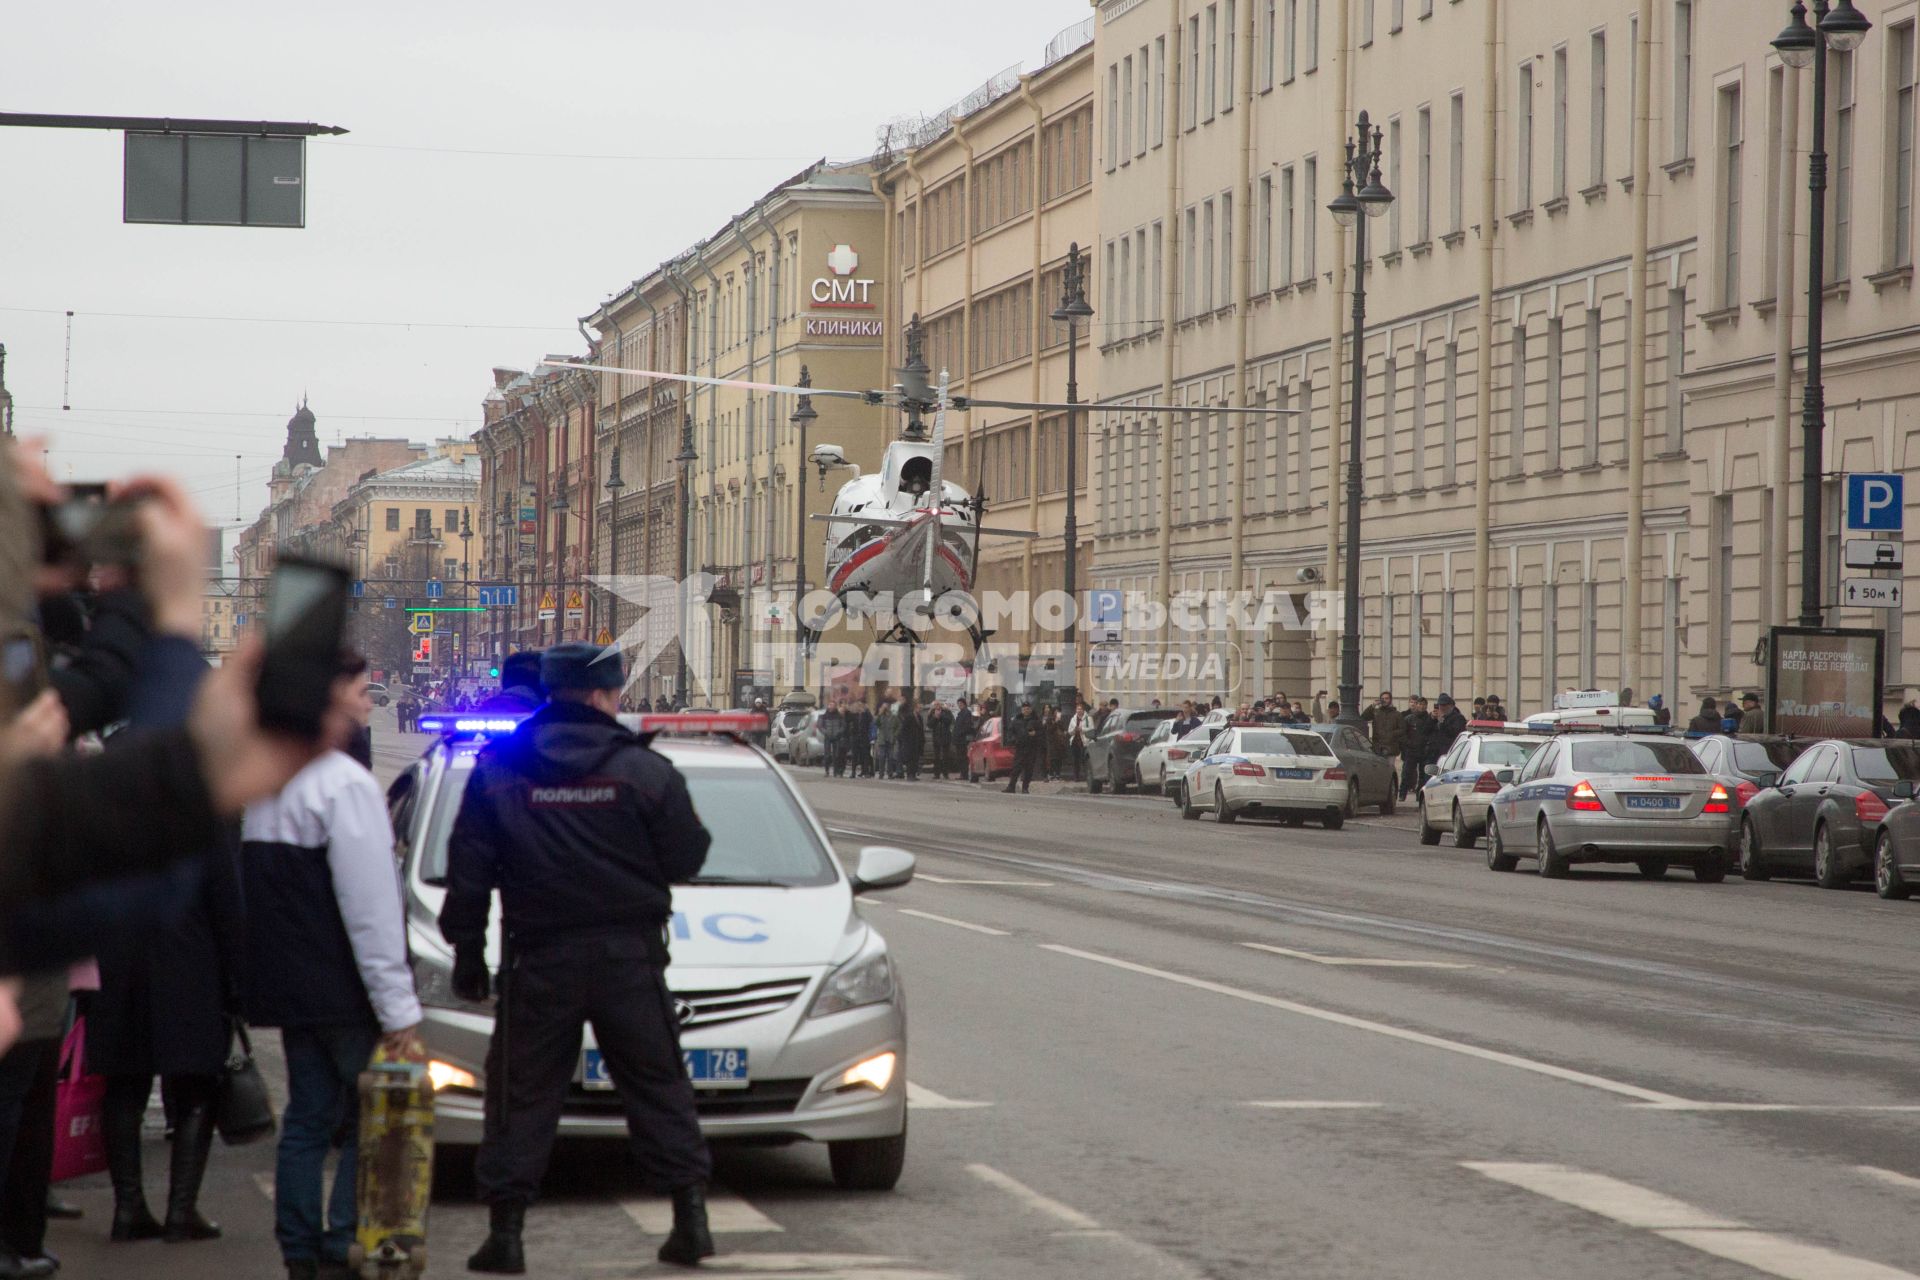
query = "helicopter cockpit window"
x=916 y=475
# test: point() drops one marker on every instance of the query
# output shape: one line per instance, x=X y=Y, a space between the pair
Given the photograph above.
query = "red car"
x=987 y=754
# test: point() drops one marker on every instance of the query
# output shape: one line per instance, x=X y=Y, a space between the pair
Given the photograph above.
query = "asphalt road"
x=1147 y=1048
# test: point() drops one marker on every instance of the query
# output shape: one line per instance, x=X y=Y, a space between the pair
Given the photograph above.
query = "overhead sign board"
x=1876 y=502
x=498 y=597
x=1870 y=593
x=214 y=180
x=1867 y=553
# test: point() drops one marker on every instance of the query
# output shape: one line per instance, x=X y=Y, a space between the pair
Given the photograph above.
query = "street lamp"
x=1841 y=27
x=615 y=486
x=804 y=416
x=686 y=458
x=466 y=584
x=1372 y=199
x=1072 y=310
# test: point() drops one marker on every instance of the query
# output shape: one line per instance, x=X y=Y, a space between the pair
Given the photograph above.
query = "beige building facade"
x=983 y=212
x=1577 y=464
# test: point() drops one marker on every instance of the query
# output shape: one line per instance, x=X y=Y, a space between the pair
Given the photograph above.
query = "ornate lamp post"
x=686 y=458
x=1371 y=198
x=1840 y=27
x=615 y=487
x=1073 y=309
x=804 y=416
x=466 y=587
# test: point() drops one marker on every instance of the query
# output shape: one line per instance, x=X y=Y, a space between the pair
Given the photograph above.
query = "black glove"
x=471 y=981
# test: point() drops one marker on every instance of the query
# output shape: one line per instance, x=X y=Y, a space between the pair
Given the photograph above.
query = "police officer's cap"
x=581 y=666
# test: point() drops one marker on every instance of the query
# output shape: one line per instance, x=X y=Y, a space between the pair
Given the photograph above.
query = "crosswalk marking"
x=1357 y=963
x=1906 y=1182
x=1686 y=1224
x=924 y=1099
x=726 y=1213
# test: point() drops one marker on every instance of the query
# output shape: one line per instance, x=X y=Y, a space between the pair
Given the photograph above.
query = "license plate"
x=1653 y=802
x=1297 y=774
x=707 y=1068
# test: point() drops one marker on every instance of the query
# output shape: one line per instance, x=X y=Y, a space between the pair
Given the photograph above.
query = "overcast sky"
x=428 y=256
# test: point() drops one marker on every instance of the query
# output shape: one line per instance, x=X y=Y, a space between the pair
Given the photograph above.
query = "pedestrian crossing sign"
x=422 y=624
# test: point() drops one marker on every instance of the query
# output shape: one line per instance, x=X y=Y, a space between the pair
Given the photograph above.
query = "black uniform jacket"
x=582 y=827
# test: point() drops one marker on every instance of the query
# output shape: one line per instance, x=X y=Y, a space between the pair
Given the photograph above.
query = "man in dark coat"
x=860 y=735
x=940 y=729
x=585 y=831
x=1708 y=721
x=833 y=723
x=1418 y=725
x=1450 y=725
x=910 y=738
x=1022 y=734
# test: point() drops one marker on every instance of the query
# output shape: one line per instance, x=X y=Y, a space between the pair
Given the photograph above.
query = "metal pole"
x=686 y=460
x=1356 y=433
x=1813 y=407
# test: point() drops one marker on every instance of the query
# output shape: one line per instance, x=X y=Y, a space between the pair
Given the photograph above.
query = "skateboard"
x=395 y=1176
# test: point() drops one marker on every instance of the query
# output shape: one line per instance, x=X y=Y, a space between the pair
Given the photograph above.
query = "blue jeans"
x=323 y=1104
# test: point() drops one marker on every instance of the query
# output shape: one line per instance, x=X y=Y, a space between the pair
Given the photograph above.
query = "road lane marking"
x=1685 y=1224
x=1549 y=1069
x=924 y=1099
x=1071 y=1217
x=958 y=924
x=1010 y=884
x=1304 y=1104
x=725 y=1213
x=1347 y=961
x=1683 y=1105
x=1906 y=1182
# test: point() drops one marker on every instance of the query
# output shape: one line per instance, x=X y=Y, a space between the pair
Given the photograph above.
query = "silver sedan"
x=1605 y=797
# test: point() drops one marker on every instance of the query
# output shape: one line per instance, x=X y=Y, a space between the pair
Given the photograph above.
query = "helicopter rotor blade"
x=694 y=379
x=967 y=403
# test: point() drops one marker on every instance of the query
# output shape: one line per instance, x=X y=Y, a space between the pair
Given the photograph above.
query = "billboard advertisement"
x=1824 y=682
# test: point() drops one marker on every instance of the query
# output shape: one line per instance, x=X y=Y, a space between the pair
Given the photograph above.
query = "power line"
x=273 y=414
x=354 y=324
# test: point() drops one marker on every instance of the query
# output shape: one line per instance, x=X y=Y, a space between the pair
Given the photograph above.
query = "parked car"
x=1748 y=764
x=1610 y=797
x=1114 y=754
x=379 y=693
x=1896 y=853
x=805 y=744
x=1458 y=791
x=790 y=718
x=988 y=754
x=1369 y=776
x=1165 y=760
x=1822 y=816
x=1291 y=774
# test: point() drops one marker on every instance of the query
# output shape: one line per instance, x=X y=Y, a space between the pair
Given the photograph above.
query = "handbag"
x=243 y=1112
x=79 y=1137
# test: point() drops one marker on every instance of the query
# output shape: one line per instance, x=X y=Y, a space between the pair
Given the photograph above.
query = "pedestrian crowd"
x=176 y=870
x=898 y=736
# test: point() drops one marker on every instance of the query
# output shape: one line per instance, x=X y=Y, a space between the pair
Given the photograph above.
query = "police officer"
x=584 y=830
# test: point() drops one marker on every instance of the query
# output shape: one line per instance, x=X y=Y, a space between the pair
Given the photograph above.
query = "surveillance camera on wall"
x=1307 y=574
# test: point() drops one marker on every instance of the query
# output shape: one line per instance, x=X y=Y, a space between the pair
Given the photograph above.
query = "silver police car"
x=792 y=1013
x=1613 y=797
x=1459 y=790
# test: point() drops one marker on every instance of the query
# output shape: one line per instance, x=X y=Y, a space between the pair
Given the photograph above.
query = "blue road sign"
x=359 y=590
x=392 y=603
x=499 y=597
x=1876 y=502
x=436 y=589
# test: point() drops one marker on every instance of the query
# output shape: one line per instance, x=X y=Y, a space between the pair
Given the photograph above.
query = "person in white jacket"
x=327 y=964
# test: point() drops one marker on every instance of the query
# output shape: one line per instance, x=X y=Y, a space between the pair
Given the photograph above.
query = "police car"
x=1460 y=788
x=792 y=1014
x=1251 y=769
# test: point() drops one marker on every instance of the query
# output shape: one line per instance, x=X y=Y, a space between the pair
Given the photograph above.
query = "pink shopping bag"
x=79 y=1145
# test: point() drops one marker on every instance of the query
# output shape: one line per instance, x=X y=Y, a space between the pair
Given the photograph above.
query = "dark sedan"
x=1370 y=775
x=1896 y=853
x=1114 y=753
x=1822 y=816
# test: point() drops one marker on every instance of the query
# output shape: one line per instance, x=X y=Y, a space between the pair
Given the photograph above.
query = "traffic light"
x=494 y=672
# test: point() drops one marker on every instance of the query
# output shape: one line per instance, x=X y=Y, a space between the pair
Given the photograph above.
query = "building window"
x=1633 y=88
x=1397 y=18
x=1210 y=98
x=1229 y=279
x=1560 y=123
x=1206 y=257
x=1106 y=297
x=1121 y=302
x=1676 y=365
x=1590 y=409
x=1456 y=160
x=1159 y=270
x=1227 y=73
x=1290 y=42
x=1066 y=162
x=1423 y=192
x=1263 y=250
x=1517 y=403
x=1309 y=215
x=1393 y=185
x=1190 y=281
x=1313 y=34
x=1682 y=102
x=393 y=519
x=1268 y=13
x=453 y=520
x=1193 y=72
x=1366 y=23
x=1113 y=116
x=1729 y=126
x=1900 y=52
x=1003 y=325
x=1126 y=110
x=1450 y=414
x=1523 y=137
x=1286 y=225
x=1553 y=393
x=1389 y=397
x=1159 y=90
x=1144 y=113
x=1003 y=190
x=1142 y=306
x=1597 y=111
x=1417 y=452
x=422 y=522
x=1840 y=91
x=1303 y=445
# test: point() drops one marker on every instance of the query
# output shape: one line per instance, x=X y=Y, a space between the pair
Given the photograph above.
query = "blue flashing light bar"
x=468 y=725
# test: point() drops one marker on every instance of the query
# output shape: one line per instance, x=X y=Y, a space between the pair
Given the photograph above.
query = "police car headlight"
x=865 y=979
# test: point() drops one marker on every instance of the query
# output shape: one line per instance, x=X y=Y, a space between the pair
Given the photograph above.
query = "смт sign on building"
x=841 y=290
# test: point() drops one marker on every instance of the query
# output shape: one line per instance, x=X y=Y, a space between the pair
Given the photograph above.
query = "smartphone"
x=88 y=528
x=306 y=622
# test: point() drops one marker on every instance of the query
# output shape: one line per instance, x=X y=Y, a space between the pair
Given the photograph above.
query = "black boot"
x=502 y=1254
x=121 y=1117
x=192 y=1141
x=690 y=1240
